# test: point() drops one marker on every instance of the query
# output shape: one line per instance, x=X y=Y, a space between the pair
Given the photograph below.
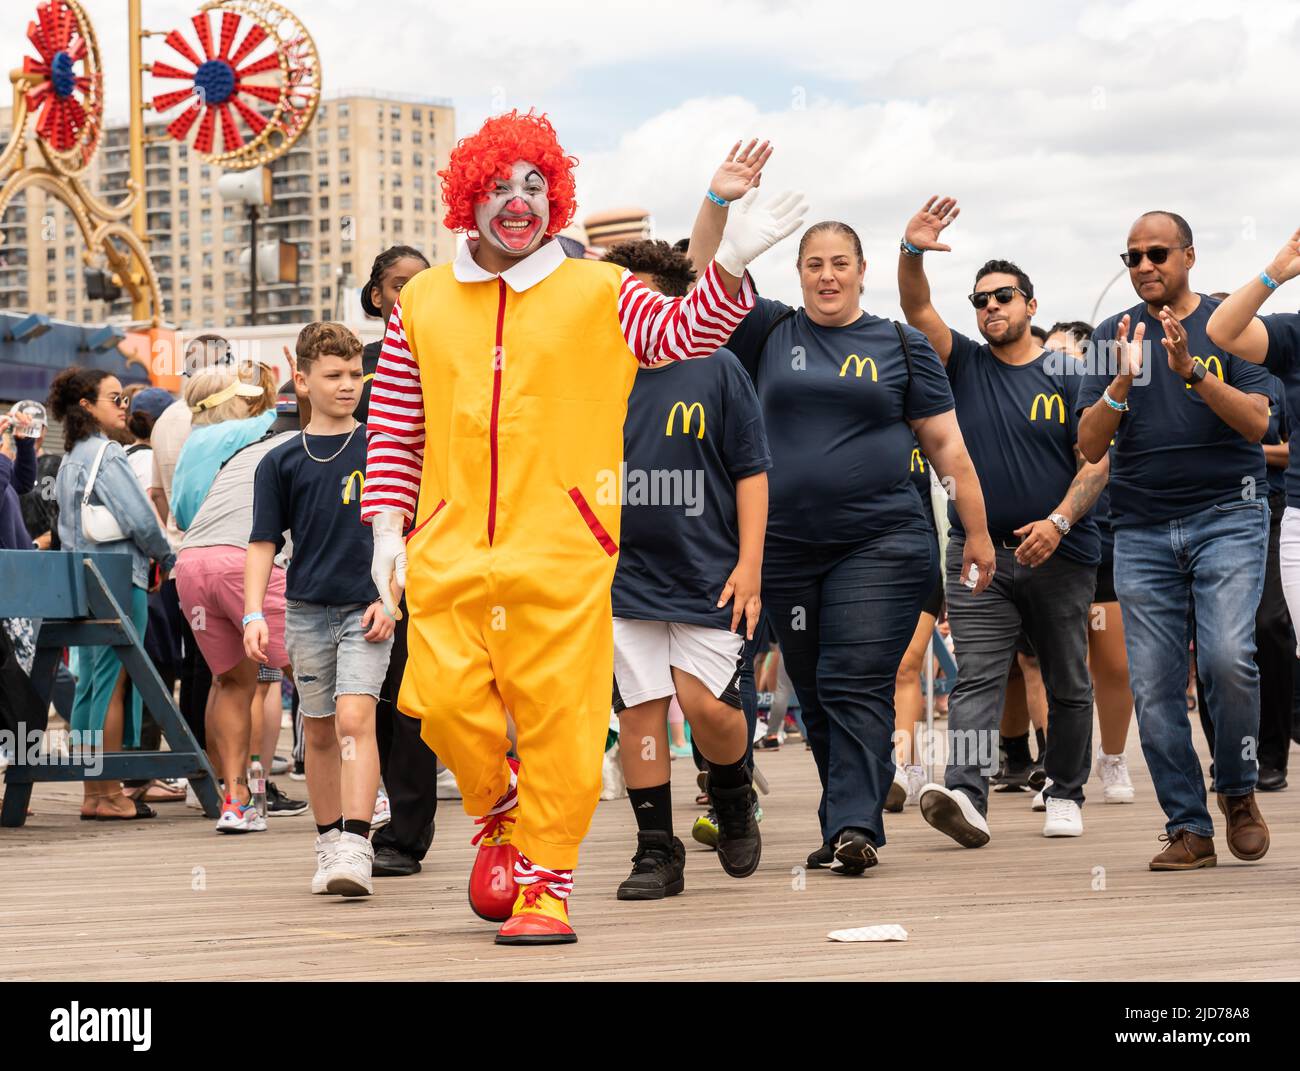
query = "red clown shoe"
x=492 y=890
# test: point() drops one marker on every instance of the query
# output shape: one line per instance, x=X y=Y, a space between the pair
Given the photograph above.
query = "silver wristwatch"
x=1062 y=525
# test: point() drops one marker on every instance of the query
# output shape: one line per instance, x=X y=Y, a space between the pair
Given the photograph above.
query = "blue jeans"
x=844 y=617
x=1210 y=565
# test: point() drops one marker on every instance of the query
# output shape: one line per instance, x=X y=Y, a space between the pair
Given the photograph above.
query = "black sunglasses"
x=1157 y=255
x=1003 y=294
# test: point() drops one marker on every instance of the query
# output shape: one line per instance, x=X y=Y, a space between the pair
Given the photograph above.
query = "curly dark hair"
x=69 y=388
x=670 y=269
x=1005 y=267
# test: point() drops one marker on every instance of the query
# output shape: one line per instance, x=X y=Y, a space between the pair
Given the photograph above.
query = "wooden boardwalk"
x=171 y=899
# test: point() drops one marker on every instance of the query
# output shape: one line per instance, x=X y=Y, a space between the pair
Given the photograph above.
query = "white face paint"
x=514 y=218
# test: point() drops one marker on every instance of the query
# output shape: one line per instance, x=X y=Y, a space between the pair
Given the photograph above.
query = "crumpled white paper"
x=869 y=933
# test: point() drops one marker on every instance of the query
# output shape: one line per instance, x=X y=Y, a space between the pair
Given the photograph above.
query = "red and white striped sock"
x=511 y=796
x=559 y=882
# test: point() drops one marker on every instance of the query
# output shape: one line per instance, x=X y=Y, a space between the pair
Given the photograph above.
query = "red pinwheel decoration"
x=227 y=84
x=68 y=105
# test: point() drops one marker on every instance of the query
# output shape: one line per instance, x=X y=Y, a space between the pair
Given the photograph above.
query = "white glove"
x=388 y=566
x=752 y=230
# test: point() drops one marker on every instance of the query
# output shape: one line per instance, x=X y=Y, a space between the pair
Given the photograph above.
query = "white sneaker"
x=447 y=787
x=1040 y=802
x=953 y=813
x=915 y=782
x=192 y=799
x=383 y=811
x=350 y=873
x=326 y=845
x=1064 y=818
x=896 y=798
x=1113 y=771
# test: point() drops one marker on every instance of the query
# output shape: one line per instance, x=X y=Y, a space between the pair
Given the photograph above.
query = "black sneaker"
x=771 y=742
x=854 y=853
x=1014 y=776
x=657 y=867
x=280 y=805
x=391 y=863
x=1037 y=778
x=822 y=857
x=299 y=771
x=739 y=843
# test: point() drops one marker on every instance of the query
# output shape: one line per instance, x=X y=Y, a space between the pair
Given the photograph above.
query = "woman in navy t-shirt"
x=850 y=554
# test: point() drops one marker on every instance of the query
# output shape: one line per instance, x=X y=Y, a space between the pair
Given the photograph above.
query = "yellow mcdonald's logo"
x=360 y=479
x=918 y=462
x=1212 y=364
x=858 y=364
x=687 y=411
x=1055 y=401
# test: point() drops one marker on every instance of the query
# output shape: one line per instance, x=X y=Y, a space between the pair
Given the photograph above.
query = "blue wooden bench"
x=79 y=599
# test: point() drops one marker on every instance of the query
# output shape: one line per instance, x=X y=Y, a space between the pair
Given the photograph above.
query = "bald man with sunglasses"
x=1189 y=508
x=1015 y=404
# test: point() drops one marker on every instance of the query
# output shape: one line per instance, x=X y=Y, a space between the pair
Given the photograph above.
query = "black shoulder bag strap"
x=907 y=359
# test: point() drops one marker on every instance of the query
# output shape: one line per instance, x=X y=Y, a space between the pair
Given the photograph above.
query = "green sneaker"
x=705 y=829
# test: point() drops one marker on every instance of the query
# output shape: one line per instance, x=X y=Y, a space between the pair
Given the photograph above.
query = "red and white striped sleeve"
x=658 y=327
x=395 y=430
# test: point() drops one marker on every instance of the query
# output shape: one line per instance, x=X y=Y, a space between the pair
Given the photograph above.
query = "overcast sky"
x=1055 y=124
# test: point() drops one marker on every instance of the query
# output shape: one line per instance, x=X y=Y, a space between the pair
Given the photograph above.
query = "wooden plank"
x=171 y=899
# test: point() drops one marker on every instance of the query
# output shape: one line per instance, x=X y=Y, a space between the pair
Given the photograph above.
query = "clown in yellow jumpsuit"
x=498 y=405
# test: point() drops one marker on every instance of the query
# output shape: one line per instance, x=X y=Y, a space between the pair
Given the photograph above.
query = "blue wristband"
x=910 y=249
x=256 y=615
x=1268 y=280
x=716 y=199
x=1119 y=407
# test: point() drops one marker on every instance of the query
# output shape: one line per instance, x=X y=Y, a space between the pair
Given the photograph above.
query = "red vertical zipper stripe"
x=498 y=356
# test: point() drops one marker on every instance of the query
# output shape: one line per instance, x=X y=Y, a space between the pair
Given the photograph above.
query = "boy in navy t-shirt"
x=694 y=495
x=1190 y=512
x=337 y=634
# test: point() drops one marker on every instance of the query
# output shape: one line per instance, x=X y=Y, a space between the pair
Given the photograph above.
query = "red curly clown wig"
x=479 y=160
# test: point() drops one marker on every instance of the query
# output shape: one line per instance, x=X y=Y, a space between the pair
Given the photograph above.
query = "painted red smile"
x=515 y=232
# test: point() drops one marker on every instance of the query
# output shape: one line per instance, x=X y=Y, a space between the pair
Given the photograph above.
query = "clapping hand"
x=1286 y=265
x=1175 y=343
x=1130 y=350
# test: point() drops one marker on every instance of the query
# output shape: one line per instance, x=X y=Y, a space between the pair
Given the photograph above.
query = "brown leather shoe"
x=1247 y=833
x=1185 y=850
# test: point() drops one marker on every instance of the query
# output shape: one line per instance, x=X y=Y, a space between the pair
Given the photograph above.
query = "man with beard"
x=1016 y=407
x=499 y=401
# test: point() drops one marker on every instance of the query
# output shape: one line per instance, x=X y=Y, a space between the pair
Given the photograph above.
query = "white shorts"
x=1289 y=561
x=646 y=651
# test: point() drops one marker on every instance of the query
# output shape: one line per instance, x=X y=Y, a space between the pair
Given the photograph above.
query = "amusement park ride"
x=244 y=80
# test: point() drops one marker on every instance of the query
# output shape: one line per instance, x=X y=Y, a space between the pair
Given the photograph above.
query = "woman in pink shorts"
x=210 y=573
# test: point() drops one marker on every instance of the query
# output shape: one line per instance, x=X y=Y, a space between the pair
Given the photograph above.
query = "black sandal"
x=142 y=810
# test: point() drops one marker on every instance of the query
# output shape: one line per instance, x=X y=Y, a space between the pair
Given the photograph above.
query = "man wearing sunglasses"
x=1189 y=508
x=1016 y=409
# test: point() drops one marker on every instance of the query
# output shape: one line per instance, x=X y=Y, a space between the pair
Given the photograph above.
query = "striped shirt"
x=655 y=327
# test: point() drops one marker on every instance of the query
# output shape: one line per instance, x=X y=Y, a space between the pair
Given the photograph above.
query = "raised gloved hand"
x=388 y=566
x=752 y=229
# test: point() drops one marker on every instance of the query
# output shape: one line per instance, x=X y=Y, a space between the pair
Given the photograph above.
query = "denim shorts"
x=330 y=655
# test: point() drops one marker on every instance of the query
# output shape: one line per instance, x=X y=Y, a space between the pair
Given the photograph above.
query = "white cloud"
x=1055 y=124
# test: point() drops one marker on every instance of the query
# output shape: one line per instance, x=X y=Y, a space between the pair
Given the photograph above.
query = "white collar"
x=519 y=277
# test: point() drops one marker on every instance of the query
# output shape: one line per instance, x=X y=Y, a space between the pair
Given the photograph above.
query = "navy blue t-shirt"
x=918 y=468
x=320 y=506
x=1279 y=431
x=836 y=402
x=693 y=429
x=1020 y=425
x=1283 y=361
x=1173 y=456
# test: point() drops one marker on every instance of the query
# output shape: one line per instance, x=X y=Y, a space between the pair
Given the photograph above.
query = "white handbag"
x=98 y=525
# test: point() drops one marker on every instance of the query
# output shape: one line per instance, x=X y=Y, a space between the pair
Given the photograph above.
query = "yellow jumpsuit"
x=513 y=551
